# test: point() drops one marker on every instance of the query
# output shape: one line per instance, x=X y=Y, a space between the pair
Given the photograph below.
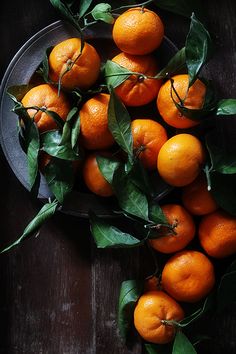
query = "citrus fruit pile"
x=124 y=127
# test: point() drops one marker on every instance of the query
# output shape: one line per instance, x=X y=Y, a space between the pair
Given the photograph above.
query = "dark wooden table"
x=58 y=293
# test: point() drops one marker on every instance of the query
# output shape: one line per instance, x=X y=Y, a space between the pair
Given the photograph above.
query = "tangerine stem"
x=130 y=6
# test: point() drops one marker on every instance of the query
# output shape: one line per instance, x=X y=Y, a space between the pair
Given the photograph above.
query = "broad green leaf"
x=156 y=214
x=84 y=6
x=130 y=198
x=119 y=124
x=32 y=151
x=197 y=48
x=226 y=107
x=158 y=348
x=108 y=236
x=107 y=166
x=103 y=13
x=130 y=291
x=47 y=211
x=115 y=74
x=17 y=92
x=66 y=13
x=181 y=7
x=43 y=69
x=57 y=119
x=222 y=158
x=175 y=64
x=140 y=177
x=51 y=144
x=59 y=175
x=75 y=131
x=66 y=132
x=223 y=190
x=182 y=345
x=226 y=293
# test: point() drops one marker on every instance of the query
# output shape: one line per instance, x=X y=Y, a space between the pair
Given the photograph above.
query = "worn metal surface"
x=58 y=293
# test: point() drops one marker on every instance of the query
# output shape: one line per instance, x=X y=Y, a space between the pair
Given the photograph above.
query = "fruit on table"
x=152 y=311
x=188 y=276
x=72 y=68
x=138 y=31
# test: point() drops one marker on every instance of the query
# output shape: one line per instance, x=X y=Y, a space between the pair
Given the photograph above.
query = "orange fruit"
x=94 y=132
x=148 y=138
x=151 y=312
x=217 y=234
x=138 y=90
x=182 y=232
x=197 y=199
x=83 y=69
x=193 y=99
x=188 y=276
x=180 y=159
x=94 y=179
x=46 y=97
x=138 y=31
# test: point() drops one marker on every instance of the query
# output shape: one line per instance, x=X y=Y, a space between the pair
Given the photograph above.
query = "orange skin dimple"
x=188 y=276
x=217 y=234
x=148 y=138
x=136 y=90
x=46 y=96
x=94 y=132
x=183 y=227
x=152 y=308
x=197 y=199
x=85 y=70
x=138 y=31
x=180 y=159
x=194 y=100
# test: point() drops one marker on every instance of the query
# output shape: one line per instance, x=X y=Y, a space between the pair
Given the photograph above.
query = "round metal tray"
x=20 y=71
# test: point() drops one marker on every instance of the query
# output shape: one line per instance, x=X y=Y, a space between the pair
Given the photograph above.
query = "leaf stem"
x=208 y=177
x=131 y=6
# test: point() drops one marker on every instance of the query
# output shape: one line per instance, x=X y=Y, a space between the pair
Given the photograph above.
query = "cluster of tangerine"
x=188 y=276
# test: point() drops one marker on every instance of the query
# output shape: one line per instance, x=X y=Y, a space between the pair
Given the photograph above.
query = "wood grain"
x=58 y=293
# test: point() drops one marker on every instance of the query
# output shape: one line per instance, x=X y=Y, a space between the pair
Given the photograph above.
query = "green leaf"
x=223 y=190
x=43 y=215
x=158 y=348
x=44 y=66
x=226 y=293
x=115 y=74
x=182 y=345
x=222 y=159
x=108 y=236
x=175 y=64
x=84 y=6
x=181 y=7
x=226 y=107
x=130 y=198
x=57 y=119
x=197 y=48
x=119 y=124
x=156 y=214
x=32 y=151
x=107 y=166
x=102 y=12
x=59 y=175
x=139 y=176
x=66 y=13
x=130 y=291
x=51 y=144
x=66 y=132
x=75 y=131
x=17 y=92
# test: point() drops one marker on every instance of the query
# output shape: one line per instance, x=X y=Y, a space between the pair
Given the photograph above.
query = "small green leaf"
x=130 y=198
x=51 y=144
x=130 y=291
x=66 y=132
x=108 y=236
x=84 y=6
x=175 y=64
x=57 y=119
x=223 y=190
x=47 y=211
x=17 y=92
x=197 y=48
x=102 y=12
x=181 y=7
x=156 y=214
x=115 y=74
x=43 y=69
x=32 y=151
x=226 y=293
x=182 y=345
x=59 y=175
x=119 y=124
x=139 y=176
x=107 y=166
x=226 y=107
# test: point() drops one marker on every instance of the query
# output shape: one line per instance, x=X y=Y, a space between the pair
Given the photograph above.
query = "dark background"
x=58 y=294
